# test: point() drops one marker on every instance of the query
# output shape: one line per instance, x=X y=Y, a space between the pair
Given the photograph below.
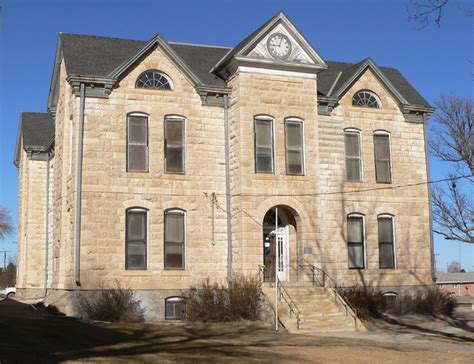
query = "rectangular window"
x=174 y=145
x=355 y=241
x=137 y=144
x=174 y=240
x=136 y=238
x=386 y=245
x=294 y=147
x=175 y=308
x=382 y=158
x=264 y=146
x=353 y=160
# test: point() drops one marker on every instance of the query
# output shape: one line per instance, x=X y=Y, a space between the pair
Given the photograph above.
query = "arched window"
x=264 y=144
x=136 y=235
x=175 y=308
x=353 y=155
x=356 y=241
x=383 y=160
x=137 y=142
x=175 y=144
x=155 y=80
x=294 y=146
x=175 y=239
x=365 y=98
x=386 y=232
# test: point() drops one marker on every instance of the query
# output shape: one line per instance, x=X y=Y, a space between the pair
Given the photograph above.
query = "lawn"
x=26 y=340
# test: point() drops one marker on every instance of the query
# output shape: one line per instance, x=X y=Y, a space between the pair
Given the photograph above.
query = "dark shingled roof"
x=87 y=55
x=201 y=59
x=37 y=130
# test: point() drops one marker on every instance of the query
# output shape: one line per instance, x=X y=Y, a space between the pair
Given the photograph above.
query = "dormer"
x=274 y=47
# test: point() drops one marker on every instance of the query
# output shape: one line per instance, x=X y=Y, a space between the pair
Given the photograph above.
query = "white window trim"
x=359 y=135
x=147 y=243
x=184 y=213
x=394 y=239
x=385 y=132
x=173 y=299
x=364 y=244
x=274 y=162
x=185 y=138
x=142 y=114
x=303 y=144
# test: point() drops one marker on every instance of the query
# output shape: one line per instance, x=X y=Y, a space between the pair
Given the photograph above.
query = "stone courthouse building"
x=159 y=164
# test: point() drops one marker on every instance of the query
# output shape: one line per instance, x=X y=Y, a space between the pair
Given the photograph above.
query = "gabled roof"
x=442 y=277
x=253 y=38
x=339 y=76
x=36 y=133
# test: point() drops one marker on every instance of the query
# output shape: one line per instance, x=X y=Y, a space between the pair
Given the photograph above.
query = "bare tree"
x=453 y=141
x=421 y=12
x=6 y=227
x=454 y=267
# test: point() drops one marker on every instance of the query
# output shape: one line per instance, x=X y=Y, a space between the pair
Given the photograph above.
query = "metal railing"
x=326 y=278
x=282 y=295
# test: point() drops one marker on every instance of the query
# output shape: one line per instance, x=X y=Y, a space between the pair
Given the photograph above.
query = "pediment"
x=256 y=50
x=296 y=52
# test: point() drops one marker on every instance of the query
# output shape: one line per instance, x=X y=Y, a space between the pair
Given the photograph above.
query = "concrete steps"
x=318 y=308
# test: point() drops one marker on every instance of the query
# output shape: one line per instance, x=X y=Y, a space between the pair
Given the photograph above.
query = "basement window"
x=175 y=308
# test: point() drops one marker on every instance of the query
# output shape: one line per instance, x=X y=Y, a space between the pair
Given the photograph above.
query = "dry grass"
x=25 y=341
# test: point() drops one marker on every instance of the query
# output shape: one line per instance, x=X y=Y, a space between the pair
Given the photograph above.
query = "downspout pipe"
x=77 y=266
x=430 y=206
x=227 y=188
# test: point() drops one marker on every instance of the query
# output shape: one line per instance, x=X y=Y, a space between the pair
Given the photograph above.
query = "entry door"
x=283 y=254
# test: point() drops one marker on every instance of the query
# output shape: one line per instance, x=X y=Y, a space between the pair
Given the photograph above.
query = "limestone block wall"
x=31 y=237
x=254 y=194
x=409 y=205
x=108 y=189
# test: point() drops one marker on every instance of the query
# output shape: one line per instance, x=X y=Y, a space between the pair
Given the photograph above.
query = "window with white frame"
x=175 y=308
x=264 y=141
x=174 y=144
x=386 y=241
x=366 y=98
x=356 y=241
x=175 y=239
x=136 y=238
x=353 y=155
x=383 y=164
x=294 y=146
x=154 y=79
x=137 y=143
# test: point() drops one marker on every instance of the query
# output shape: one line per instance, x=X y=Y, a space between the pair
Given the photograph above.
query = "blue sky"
x=435 y=60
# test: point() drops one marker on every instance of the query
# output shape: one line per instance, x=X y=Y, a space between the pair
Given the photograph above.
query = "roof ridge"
x=102 y=36
x=199 y=45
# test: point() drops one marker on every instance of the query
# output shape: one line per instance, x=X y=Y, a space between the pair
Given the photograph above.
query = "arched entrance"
x=278 y=233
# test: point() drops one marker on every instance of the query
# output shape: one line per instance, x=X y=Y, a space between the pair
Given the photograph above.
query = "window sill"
x=174 y=273
x=137 y=273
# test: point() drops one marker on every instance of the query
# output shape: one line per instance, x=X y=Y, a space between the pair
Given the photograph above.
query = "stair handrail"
x=283 y=293
x=351 y=310
x=289 y=302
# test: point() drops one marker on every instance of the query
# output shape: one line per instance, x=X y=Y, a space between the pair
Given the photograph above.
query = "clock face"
x=279 y=46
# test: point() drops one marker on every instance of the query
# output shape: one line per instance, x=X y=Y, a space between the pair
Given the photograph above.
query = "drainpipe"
x=430 y=209
x=46 y=247
x=77 y=272
x=227 y=188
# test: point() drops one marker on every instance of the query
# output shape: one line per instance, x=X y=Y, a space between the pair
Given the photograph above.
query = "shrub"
x=367 y=301
x=371 y=303
x=213 y=302
x=113 y=304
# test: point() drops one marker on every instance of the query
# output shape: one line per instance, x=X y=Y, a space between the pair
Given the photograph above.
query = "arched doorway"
x=278 y=233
